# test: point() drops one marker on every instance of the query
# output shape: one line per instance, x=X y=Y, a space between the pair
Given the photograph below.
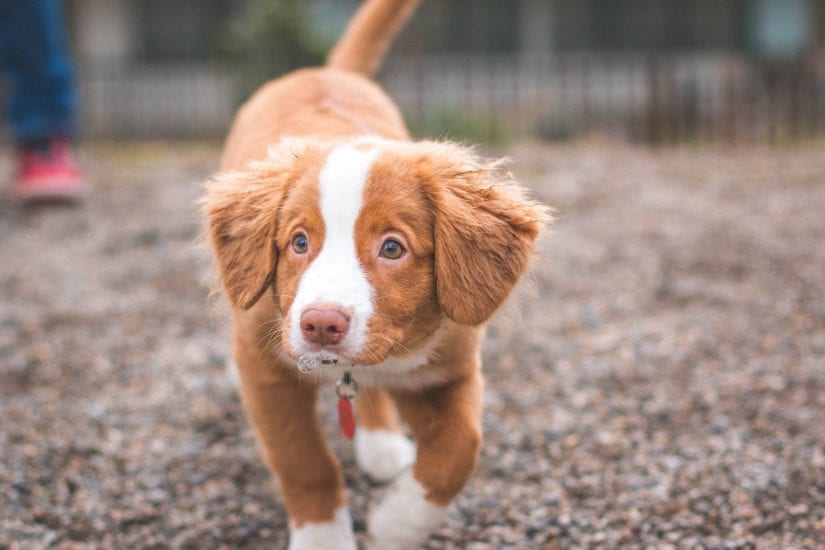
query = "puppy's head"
x=368 y=245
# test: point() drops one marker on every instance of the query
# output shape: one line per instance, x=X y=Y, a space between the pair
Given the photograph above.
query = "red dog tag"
x=345 y=417
x=346 y=390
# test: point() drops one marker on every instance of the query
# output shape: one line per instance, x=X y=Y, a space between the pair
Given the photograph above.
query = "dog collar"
x=346 y=388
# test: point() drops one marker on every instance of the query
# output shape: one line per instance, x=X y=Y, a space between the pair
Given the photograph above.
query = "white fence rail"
x=637 y=97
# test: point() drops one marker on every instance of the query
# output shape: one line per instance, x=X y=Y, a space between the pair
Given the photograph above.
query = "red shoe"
x=50 y=174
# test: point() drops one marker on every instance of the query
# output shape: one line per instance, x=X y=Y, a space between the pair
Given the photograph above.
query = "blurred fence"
x=137 y=101
x=643 y=98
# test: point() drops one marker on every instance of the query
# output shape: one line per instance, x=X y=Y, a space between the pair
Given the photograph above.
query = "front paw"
x=382 y=454
x=404 y=519
x=332 y=535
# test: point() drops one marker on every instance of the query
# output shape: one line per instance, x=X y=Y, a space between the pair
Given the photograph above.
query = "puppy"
x=350 y=253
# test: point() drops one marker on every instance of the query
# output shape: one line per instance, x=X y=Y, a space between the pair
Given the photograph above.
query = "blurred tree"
x=271 y=37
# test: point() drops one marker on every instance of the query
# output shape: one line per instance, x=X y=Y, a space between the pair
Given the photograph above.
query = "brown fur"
x=369 y=34
x=282 y=412
x=242 y=225
x=468 y=232
x=375 y=410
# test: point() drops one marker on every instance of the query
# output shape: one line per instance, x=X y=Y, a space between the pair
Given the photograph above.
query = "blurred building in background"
x=648 y=70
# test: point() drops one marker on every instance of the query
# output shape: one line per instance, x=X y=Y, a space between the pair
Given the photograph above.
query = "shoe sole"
x=52 y=193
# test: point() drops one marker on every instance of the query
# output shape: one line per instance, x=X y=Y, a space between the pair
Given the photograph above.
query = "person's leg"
x=35 y=56
x=33 y=53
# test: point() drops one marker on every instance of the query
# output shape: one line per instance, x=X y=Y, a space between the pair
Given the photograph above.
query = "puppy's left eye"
x=300 y=244
x=392 y=249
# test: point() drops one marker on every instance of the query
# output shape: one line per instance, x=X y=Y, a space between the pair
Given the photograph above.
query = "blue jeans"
x=35 y=57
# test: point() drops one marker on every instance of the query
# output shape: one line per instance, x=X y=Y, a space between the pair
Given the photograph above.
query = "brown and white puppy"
x=342 y=245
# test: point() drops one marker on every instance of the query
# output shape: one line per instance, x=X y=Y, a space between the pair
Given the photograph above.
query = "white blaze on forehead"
x=336 y=277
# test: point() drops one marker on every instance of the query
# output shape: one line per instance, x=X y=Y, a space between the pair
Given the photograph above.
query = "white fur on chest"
x=407 y=372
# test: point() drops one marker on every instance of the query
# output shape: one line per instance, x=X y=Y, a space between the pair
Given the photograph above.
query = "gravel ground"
x=661 y=384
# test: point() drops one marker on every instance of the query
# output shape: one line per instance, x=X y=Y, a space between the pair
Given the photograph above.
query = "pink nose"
x=324 y=326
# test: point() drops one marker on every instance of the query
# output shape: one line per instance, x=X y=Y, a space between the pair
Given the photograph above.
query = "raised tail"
x=369 y=35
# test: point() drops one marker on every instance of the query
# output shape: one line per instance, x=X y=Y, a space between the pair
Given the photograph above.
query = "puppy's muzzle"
x=324 y=327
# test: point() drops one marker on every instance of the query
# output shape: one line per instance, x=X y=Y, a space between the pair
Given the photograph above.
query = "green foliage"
x=276 y=32
x=271 y=37
x=456 y=124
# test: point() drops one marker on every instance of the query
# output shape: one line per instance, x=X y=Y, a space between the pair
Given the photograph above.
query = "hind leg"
x=381 y=449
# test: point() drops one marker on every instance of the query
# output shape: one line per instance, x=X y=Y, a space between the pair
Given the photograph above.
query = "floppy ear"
x=241 y=211
x=485 y=230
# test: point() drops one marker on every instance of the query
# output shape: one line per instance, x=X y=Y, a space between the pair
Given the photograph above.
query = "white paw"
x=333 y=535
x=382 y=454
x=404 y=519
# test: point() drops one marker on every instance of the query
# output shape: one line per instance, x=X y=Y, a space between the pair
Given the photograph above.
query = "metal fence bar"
x=653 y=98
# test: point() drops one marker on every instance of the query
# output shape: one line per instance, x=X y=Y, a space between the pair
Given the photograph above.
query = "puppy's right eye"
x=300 y=244
x=392 y=249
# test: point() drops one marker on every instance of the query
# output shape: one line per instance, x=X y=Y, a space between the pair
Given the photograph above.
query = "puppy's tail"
x=369 y=35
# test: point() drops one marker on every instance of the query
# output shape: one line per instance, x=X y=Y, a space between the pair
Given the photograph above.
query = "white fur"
x=404 y=519
x=334 y=535
x=387 y=373
x=382 y=454
x=336 y=277
x=397 y=372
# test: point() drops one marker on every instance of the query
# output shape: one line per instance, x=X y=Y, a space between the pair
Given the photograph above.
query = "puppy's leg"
x=446 y=423
x=381 y=449
x=282 y=410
